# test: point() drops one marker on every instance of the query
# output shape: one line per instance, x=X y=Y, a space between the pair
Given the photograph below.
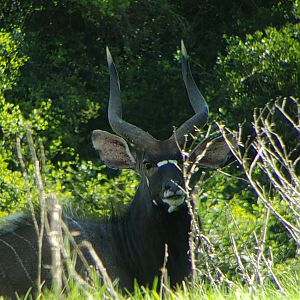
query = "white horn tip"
x=108 y=56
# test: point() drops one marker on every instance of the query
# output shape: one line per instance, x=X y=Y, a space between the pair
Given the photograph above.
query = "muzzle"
x=174 y=199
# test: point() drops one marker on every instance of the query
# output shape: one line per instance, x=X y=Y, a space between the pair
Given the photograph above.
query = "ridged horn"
x=129 y=132
x=196 y=99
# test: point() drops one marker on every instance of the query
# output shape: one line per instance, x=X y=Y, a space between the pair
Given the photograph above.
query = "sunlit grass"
x=197 y=290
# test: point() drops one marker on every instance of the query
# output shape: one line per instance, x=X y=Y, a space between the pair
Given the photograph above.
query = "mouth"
x=174 y=200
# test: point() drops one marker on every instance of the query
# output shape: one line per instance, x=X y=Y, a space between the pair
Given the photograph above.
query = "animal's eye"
x=148 y=165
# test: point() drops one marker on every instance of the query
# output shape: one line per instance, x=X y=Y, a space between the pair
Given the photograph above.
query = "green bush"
x=263 y=66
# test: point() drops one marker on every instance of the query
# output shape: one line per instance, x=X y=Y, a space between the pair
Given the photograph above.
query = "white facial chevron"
x=164 y=162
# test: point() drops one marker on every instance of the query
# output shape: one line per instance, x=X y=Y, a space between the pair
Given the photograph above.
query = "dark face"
x=159 y=163
x=164 y=179
x=160 y=166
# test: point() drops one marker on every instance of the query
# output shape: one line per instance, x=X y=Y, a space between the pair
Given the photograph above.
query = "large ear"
x=113 y=150
x=212 y=153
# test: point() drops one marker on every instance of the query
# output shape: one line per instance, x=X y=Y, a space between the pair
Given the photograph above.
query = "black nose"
x=172 y=185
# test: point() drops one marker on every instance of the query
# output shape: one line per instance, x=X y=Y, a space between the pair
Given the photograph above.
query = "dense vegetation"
x=54 y=80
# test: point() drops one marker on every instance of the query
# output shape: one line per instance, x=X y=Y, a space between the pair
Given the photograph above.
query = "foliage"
x=90 y=191
x=11 y=182
x=61 y=176
x=266 y=229
x=260 y=67
x=65 y=44
x=197 y=291
x=53 y=80
x=10 y=58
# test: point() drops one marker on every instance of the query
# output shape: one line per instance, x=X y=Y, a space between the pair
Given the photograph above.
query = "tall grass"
x=197 y=290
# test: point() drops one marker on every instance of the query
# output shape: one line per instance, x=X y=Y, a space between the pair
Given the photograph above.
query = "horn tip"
x=108 y=56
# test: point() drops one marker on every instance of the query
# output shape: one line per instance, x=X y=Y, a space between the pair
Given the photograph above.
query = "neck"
x=146 y=230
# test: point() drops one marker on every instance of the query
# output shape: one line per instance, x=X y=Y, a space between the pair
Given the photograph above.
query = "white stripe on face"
x=147 y=180
x=164 y=162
